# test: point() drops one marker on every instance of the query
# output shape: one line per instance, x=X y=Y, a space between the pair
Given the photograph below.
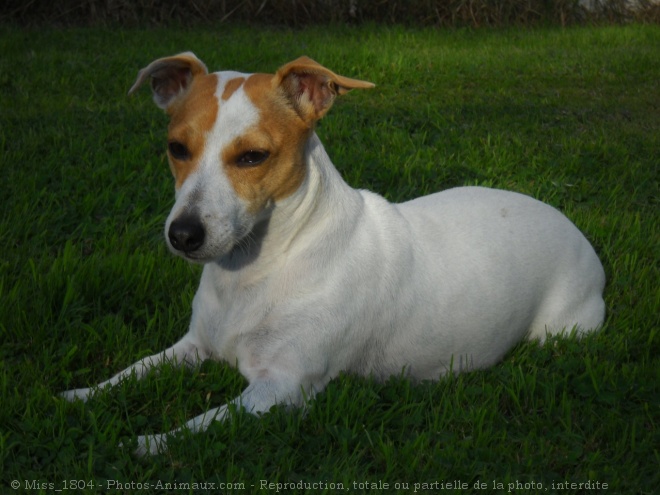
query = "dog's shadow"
x=247 y=250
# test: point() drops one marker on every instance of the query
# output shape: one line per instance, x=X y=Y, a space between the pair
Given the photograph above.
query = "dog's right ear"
x=170 y=77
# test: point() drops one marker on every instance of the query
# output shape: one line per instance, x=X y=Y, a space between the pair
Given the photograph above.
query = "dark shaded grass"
x=297 y=13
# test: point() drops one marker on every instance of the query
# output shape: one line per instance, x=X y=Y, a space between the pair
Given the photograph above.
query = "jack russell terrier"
x=305 y=277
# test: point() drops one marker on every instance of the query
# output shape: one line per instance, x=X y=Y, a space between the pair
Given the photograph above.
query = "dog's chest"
x=225 y=309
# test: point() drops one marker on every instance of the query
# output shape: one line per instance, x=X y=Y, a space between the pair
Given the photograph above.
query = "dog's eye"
x=178 y=150
x=251 y=158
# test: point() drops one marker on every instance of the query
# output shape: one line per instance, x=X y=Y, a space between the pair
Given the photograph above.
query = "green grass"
x=571 y=117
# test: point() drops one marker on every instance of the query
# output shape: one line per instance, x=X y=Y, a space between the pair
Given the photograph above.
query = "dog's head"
x=236 y=144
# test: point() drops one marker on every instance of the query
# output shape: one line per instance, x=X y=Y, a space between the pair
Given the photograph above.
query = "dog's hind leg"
x=185 y=352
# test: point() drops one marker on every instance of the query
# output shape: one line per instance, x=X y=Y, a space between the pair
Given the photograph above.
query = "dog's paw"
x=76 y=394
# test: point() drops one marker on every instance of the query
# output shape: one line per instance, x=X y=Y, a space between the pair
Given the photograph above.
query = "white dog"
x=305 y=277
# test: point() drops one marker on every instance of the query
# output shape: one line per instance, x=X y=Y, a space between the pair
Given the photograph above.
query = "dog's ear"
x=170 y=77
x=312 y=88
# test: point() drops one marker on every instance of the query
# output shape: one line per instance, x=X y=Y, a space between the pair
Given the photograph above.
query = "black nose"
x=186 y=234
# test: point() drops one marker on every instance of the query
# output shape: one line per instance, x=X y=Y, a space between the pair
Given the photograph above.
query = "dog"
x=305 y=277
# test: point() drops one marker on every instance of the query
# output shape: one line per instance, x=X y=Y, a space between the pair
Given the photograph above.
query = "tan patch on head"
x=191 y=119
x=280 y=132
x=231 y=87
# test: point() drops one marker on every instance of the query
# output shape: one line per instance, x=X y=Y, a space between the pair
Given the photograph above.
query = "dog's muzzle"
x=186 y=234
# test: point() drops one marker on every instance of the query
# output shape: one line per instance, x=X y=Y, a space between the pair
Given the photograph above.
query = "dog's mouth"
x=207 y=253
x=232 y=243
x=193 y=257
x=232 y=251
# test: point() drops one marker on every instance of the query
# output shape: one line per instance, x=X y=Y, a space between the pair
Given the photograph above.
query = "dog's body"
x=305 y=277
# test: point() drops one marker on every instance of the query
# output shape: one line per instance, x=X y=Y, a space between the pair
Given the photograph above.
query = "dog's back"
x=452 y=280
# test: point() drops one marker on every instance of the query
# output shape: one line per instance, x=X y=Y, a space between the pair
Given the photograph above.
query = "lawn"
x=87 y=286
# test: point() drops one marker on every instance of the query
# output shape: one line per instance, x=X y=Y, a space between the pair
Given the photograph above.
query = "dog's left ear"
x=170 y=77
x=312 y=88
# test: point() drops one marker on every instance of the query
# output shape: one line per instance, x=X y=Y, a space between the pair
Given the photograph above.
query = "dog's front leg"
x=258 y=397
x=184 y=352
